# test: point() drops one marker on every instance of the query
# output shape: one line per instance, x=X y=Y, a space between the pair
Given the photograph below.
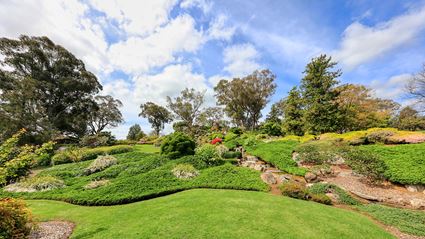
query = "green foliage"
x=100 y=163
x=215 y=135
x=71 y=155
x=157 y=115
x=230 y=136
x=343 y=197
x=319 y=151
x=236 y=130
x=293 y=122
x=232 y=154
x=407 y=221
x=279 y=154
x=208 y=153
x=125 y=142
x=49 y=84
x=272 y=129
x=317 y=89
x=34 y=184
x=135 y=133
x=97 y=140
x=367 y=163
x=405 y=163
x=297 y=190
x=16 y=161
x=15 y=220
x=177 y=145
x=138 y=176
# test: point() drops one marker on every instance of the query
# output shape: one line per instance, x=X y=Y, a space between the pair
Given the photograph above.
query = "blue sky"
x=145 y=50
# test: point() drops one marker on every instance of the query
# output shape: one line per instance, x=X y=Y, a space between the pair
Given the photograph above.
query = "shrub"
x=185 y=171
x=236 y=130
x=125 y=142
x=250 y=141
x=381 y=136
x=232 y=154
x=208 y=153
x=177 y=145
x=320 y=198
x=82 y=154
x=343 y=197
x=221 y=150
x=294 y=190
x=44 y=154
x=230 y=136
x=36 y=184
x=367 y=163
x=15 y=220
x=16 y=161
x=215 y=135
x=261 y=136
x=100 y=164
x=272 y=129
x=318 y=152
x=96 y=184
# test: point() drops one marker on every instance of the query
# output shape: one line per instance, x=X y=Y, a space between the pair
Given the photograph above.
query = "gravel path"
x=391 y=194
x=52 y=230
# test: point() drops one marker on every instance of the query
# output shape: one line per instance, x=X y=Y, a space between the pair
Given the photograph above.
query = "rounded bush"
x=15 y=219
x=100 y=164
x=272 y=129
x=177 y=145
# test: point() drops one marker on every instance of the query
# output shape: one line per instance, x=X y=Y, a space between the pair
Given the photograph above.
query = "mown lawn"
x=139 y=176
x=204 y=213
x=146 y=148
x=406 y=162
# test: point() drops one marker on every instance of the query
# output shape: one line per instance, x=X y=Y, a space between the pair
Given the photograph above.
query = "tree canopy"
x=157 y=116
x=105 y=114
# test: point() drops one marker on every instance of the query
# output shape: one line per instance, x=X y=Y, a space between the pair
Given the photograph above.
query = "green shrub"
x=97 y=140
x=261 y=136
x=343 y=197
x=272 y=129
x=319 y=152
x=185 y=171
x=125 y=142
x=96 y=184
x=232 y=154
x=221 y=150
x=320 y=198
x=230 y=136
x=208 y=153
x=366 y=163
x=16 y=219
x=215 y=135
x=236 y=130
x=177 y=145
x=41 y=183
x=294 y=190
x=82 y=154
x=100 y=163
x=16 y=161
x=381 y=136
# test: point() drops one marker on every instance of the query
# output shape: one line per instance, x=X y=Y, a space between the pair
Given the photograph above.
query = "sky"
x=149 y=49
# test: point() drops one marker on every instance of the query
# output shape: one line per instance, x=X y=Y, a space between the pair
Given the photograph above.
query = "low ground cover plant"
x=342 y=196
x=405 y=163
x=297 y=190
x=16 y=219
x=71 y=155
x=138 y=176
x=366 y=163
x=319 y=151
x=185 y=171
x=100 y=163
x=36 y=184
x=279 y=154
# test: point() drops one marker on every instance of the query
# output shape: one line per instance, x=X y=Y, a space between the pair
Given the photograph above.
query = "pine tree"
x=293 y=113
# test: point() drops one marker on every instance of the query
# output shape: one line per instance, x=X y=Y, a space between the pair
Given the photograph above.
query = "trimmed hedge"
x=83 y=154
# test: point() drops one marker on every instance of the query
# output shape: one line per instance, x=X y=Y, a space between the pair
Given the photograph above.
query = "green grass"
x=278 y=153
x=146 y=148
x=138 y=176
x=406 y=162
x=206 y=213
x=408 y=221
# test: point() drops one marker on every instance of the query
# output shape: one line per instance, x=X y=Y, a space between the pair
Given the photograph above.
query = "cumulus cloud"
x=241 y=59
x=361 y=43
x=219 y=30
x=139 y=55
x=204 y=5
x=392 y=88
x=64 y=21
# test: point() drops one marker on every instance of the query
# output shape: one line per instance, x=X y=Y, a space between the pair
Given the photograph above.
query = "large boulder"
x=417 y=203
x=268 y=178
x=310 y=177
x=415 y=188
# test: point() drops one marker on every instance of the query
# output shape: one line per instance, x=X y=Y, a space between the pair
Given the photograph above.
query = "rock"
x=268 y=178
x=338 y=160
x=367 y=197
x=310 y=177
x=334 y=197
x=283 y=179
x=417 y=203
x=260 y=167
x=415 y=188
x=251 y=158
x=309 y=184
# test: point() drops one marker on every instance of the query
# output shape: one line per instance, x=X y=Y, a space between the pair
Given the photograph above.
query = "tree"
x=416 y=88
x=157 y=116
x=409 y=119
x=106 y=113
x=361 y=110
x=317 y=88
x=135 y=132
x=43 y=88
x=187 y=106
x=276 y=112
x=211 y=116
x=244 y=98
x=293 y=113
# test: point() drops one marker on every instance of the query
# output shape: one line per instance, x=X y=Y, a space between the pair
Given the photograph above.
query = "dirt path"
x=389 y=194
x=52 y=230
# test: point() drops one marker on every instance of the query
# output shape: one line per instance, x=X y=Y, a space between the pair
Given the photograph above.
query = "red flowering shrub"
x=217 y=141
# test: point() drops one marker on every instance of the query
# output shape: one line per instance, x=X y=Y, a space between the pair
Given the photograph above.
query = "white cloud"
x=138 y=55
x=136 y=17
x=393 y=88
x=219 y=30
x=361 y=43
x=62 y=21
x=204 y=5
x=241 y=59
